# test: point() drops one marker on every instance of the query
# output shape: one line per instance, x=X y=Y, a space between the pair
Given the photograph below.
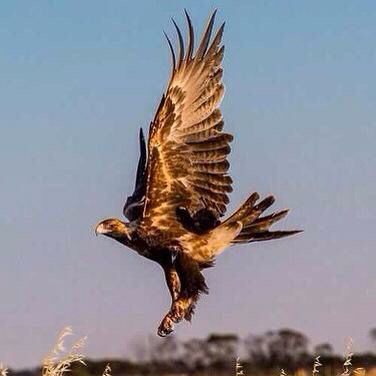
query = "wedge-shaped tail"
x=256 y=228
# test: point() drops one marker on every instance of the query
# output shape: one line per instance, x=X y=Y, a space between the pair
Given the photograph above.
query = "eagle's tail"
x=256 y=228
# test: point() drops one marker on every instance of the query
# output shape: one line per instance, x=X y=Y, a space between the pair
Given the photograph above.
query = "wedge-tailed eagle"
x=176 y=210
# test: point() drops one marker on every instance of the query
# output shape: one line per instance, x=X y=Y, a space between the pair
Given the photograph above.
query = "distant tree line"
x=264 y=354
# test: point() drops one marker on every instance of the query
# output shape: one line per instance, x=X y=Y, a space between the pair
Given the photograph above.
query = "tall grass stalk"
x=60 y=360
x=3 y=370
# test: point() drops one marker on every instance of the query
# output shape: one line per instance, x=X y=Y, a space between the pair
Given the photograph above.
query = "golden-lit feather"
x=187 y=149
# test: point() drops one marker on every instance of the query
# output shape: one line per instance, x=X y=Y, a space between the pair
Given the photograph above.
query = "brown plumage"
x=182 y=183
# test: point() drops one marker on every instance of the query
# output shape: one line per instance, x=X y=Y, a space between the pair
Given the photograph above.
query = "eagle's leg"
x=192 y=284
x=185 y=282
x=182 y=306
x=174 y=286
x=173 y=281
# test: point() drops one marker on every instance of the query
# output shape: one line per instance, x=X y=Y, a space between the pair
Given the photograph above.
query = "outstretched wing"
x=187 y=150
x=134 y=205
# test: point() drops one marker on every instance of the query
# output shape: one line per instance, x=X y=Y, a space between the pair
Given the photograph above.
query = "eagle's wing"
x=134 y=205
x=187 y=150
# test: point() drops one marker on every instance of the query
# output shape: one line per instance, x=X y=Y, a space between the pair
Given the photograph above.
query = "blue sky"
x=77 y=81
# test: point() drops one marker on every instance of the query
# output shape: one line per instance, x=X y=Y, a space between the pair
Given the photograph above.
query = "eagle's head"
x=113 y=228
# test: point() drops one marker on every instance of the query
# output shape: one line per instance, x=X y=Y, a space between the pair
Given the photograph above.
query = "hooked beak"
x=99 y=229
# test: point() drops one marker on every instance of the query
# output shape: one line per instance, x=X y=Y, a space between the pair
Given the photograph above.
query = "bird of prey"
x=176 y=211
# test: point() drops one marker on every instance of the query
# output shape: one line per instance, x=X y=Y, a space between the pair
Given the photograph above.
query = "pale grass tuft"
x=238 y=368
x=3 y=370
x=60 y=360
x=107 y=370
x=348 y=358
x=316 y=366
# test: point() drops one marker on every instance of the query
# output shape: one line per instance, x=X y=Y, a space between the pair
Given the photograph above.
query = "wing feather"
x=181 y=44
x=134 y=205
x=203 y=45
x=187 y=164
x=191 y=38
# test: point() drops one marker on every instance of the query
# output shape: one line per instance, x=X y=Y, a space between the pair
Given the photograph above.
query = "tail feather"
x=258 y=209
x=261 y=236
x=263 y=223
x=256 y=228
x=244 y=209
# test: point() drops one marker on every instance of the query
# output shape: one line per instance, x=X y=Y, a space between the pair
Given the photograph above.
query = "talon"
x=166 y=327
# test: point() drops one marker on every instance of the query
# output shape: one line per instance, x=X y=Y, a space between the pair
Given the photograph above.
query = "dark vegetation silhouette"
x=260 y=354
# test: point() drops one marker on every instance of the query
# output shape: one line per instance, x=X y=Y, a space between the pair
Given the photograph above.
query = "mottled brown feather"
x=187 y=164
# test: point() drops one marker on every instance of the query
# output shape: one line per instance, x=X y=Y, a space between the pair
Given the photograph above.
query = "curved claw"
x=166 y=327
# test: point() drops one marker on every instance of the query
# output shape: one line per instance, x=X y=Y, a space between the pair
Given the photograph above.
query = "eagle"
x=175 y=214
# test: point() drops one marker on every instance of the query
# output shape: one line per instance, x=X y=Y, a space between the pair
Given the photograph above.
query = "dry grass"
x=107 y=371
x=347 y=366
x=61 y=359
x=348 y=359
x=239 y=368
x=316 y=366
x=3 y=370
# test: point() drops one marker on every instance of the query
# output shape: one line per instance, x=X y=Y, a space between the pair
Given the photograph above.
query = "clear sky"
x=78 y=78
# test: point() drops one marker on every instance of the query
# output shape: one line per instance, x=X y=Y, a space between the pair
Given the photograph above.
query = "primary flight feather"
x=182 y=184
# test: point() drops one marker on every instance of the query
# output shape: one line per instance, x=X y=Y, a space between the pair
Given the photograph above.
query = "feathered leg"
x=174 y=286
x=173 y=282
x=192 y=283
